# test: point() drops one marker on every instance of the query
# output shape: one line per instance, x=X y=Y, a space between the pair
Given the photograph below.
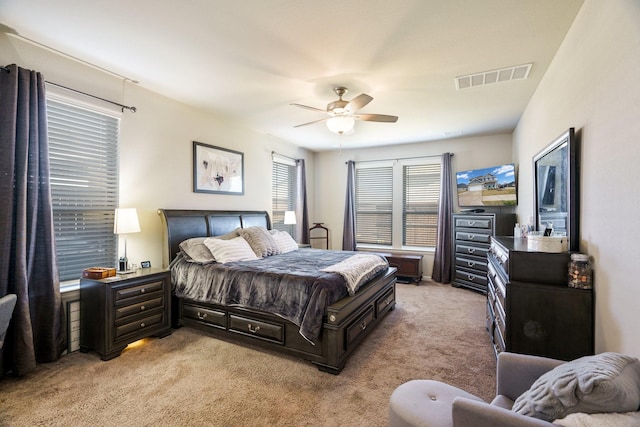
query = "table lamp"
x=126 y=221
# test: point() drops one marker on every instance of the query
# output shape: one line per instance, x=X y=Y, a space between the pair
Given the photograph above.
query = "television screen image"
x=493 y=186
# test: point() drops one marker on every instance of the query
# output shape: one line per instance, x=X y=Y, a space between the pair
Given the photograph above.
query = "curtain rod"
x=130 y=108
x=400 y=158
x=282 y=155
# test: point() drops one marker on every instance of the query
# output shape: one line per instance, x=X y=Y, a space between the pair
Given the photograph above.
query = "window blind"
x=83 y=152
x=374 y=205
x=283 y=194
x=421 y=193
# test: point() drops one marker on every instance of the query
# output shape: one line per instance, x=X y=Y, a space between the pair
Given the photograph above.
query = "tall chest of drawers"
x=119 y=310
x=530 y=308
x=472 y=236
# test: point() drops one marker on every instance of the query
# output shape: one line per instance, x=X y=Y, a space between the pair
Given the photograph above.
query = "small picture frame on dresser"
x=145 y=264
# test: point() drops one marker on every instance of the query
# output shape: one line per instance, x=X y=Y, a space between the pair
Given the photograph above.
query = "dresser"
x=530 y=308
x=119 y=310
x=472 y=236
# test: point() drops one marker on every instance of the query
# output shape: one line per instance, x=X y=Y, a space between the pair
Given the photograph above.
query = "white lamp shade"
x=289 y=217
x=341 y=124
x=126 y=221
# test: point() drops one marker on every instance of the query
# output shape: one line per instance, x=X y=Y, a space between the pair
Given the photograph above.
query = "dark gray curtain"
x=349 y=227
x=442 y=257
x=302 y=214
x=27 y=251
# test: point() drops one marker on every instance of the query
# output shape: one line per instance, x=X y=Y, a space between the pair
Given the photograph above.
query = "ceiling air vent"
x=516 y=72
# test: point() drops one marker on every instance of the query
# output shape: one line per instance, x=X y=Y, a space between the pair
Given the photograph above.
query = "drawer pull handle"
x=472 y=222
x=471 y=250
x=470 y=278
x=252 y=329
x=387 y=301
x=471 y=236
x=363 y=326
x=142 y=325
x=471 y=263
x=142 y=291
x=142 y=307
x=201 y=316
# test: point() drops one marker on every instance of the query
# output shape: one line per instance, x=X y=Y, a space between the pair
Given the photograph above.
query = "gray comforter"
x=289 y=285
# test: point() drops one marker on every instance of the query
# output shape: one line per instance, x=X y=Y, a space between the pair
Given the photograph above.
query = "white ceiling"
x=249 y=59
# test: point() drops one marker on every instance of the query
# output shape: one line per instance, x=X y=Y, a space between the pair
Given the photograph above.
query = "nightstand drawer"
x=140 y=307
x=137 y=290
x=138 y=325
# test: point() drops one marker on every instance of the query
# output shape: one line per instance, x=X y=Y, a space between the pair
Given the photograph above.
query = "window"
x=397 y=202
x=421 y=192
x=83 y=152
x=283 y=192
x=374 y=204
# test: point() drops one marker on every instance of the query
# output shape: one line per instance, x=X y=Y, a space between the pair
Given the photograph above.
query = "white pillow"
x=284 y=241
x=236 y=249
x=194 y=250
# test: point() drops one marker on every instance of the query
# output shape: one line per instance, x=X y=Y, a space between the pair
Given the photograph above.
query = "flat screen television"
x=493 y=186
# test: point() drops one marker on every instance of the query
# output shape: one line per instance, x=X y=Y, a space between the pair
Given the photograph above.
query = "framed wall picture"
x=217 y=170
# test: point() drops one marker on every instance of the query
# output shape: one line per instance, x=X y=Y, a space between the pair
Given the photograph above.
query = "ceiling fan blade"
x=358 y=102
x=310 y=123
x=306 y=107
x=376 y=118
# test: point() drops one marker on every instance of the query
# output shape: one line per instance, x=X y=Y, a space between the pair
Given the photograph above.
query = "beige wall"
x=592 y=85
x=156 y=146
x=331 y=181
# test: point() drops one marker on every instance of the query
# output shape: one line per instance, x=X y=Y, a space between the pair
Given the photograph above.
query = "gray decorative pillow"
x=260 y=241
x=194 y=250
x=607 y=382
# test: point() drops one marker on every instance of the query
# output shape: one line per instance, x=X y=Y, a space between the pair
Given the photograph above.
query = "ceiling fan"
x=341 y=115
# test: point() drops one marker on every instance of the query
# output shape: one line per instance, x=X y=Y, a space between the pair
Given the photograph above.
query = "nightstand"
x=119 y=310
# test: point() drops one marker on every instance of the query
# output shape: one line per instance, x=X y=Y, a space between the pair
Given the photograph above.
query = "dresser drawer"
x=473 y=236
x=144 y=323
x=469 y=277
x=471 y=263
x=473 y=222
x=123 y=293
x=359 y=325
x=479 y=251
x=140 y=307
x=256 y=328
x=211 y=317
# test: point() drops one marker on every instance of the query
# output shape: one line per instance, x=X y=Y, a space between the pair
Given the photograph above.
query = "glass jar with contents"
x=580 y=273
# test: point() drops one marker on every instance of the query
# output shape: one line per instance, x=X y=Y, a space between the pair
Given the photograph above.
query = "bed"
x=343 y=324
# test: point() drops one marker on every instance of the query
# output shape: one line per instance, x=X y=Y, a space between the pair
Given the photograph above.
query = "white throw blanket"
x=357 y=269
x=624 y=419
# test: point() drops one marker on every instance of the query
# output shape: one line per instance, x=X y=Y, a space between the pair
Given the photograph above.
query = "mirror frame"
x=567 y=139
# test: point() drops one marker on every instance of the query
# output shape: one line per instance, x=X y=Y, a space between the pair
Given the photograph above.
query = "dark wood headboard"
x=180 y=225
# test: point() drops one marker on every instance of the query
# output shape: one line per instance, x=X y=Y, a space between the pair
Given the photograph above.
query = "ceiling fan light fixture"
x=341 y=124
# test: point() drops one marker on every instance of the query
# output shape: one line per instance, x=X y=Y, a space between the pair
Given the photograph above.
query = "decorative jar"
x=580 y=272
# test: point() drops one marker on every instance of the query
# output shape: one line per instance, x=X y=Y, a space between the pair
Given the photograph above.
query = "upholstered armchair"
x=434 y=404
x=7 y=304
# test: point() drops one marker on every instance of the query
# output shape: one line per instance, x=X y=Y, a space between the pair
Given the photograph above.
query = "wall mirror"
x=556 y=187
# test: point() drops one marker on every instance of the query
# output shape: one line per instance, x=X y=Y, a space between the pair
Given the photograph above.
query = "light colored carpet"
x=436 y=332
